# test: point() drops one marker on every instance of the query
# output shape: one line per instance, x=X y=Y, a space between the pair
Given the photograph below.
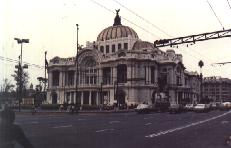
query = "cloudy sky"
x=51 y=26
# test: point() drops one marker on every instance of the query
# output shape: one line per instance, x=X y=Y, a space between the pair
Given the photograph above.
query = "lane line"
x=81 y=119
x=148 y=124
x=111 y=122
x=186 y=126
x=62 y=126
x=104 y=130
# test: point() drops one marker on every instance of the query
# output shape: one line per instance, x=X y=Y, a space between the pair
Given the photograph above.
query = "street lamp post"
x=77 y=64
x=45 y=80
x=20 y=69
x=201 y=64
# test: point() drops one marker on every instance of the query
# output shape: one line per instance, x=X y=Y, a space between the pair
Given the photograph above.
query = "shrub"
x=90 y=107
x=50 y=106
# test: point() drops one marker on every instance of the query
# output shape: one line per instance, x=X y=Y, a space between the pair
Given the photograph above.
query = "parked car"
x=143 y=108
x=176 y=108
x=189 y=107
x=225 y=106
x=215 y=105
x=161 y=106
x=202 y=108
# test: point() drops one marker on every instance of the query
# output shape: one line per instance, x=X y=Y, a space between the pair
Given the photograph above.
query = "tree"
x=21 y=76
x=6 y=90
x=25 y=77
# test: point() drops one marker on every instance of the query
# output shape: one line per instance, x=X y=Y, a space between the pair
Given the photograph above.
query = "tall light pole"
x=45 y=80
x=77 y=64
x=201 y=64
x=20 y=69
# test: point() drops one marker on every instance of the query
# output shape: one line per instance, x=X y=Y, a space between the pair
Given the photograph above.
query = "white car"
x=201 y=107
x=225 y=106
x=143 y=108
x=189 y=107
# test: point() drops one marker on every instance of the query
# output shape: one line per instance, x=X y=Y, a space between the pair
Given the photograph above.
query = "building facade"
x=217 y=89
x=119 y=68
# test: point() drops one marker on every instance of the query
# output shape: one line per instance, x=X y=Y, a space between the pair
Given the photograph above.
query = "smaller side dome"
x=142 y=45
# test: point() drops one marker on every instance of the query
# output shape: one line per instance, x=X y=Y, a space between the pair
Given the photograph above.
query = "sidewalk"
x=48 y=112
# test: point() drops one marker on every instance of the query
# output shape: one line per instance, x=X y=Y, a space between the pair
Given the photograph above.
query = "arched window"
x=88 y=74
x=119 y=46
x=107 y=48
x=113 y=48
x=102 y=49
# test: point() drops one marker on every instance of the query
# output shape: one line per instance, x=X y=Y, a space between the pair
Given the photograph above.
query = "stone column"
x=114 y=74
x=81 y=97
x=97 y=99
x=129 y=71
x=90 y=97
x=50 y=77
x=60 y=78
x=100 y=76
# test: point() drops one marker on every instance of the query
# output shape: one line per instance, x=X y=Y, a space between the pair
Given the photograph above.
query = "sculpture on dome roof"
x=117 y=20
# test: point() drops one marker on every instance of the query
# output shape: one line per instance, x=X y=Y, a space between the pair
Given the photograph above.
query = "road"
x=128 y=130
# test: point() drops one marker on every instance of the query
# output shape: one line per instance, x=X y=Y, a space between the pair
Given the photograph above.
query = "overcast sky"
x=51 y=26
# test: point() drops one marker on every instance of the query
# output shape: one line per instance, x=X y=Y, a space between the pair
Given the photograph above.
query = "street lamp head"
x=18 y=40
x=25 y=66
x=25 y=40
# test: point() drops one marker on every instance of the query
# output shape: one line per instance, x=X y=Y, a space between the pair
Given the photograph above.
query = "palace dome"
x=116 y=31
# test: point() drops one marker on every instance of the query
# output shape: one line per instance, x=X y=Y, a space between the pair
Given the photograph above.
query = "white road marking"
x=104 y=130
x=224 y=122
x=148 y=118
x=62 y=126
x=148 y=124
x=111 y=122
x=186 y=126
x=81 y=119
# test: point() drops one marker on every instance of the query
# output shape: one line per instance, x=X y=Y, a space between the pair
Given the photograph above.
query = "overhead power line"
x=216 y=15
x=146 y=22
x=158 y=28
x=16 y=61
x=229 y=4
x=126 y=19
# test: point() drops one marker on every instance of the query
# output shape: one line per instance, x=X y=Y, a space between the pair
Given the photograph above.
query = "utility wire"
x=125 y=19
x=146 y=22
x=16 y=61
x=229 y=4
x=158 y=28
x=216 y=15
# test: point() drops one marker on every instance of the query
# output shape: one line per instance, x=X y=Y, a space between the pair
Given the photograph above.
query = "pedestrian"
x=11 y=133
x=228 y=141
x=34 y=110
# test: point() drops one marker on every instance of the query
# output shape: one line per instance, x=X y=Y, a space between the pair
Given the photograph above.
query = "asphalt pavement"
x=128 y=130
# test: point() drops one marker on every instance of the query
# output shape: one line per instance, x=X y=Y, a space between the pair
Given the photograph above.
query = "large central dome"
x=116 y=31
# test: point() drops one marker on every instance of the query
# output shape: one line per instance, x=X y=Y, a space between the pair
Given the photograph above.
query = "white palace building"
x=119 y=68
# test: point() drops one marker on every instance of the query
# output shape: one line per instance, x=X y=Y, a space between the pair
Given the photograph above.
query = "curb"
x=68 y=113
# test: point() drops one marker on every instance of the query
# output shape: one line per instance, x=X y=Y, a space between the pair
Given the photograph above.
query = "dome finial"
x=117 y=20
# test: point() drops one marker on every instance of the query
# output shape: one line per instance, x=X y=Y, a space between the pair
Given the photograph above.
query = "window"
x=102 y=49
x=55 y=78
x=152 y=74
x=113 y=48
x=106 y=75
x=119 y=46
x=70 y=78
x=125 y=45
x=107 y=48
x=122 y=73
